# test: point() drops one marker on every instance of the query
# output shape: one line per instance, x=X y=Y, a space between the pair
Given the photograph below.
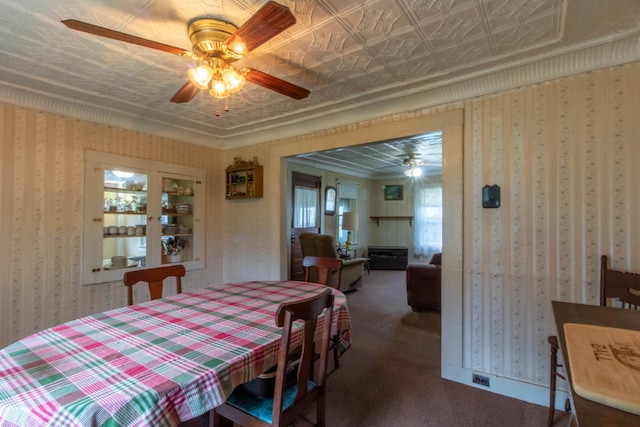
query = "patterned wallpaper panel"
x=566 y=155
x=41 y=211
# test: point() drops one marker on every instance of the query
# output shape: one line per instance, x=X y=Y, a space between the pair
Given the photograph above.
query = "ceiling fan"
x=216 y=44
x=413 y=164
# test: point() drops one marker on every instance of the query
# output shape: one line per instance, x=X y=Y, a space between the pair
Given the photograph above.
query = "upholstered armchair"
x=324 y=245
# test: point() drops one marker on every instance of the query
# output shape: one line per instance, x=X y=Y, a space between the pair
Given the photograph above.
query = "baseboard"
x=527 y=392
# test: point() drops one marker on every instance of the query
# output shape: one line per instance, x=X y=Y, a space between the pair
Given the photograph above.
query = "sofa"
x=424 y=285
x=324 y=245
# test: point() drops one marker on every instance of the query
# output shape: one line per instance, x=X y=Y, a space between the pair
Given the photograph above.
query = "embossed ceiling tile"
x=351 y=65
x=400 y=49
x=281 y=64
x=23 y=64
x=328 y=38
x=113 y=15
x=454 y=28
x=373 y=22
x=375 y=80
x=502 y=12
x=425 y=10
x=528 y=35
x=12 y=22
x=308 y=13
x=417 y=69
x=466 y=54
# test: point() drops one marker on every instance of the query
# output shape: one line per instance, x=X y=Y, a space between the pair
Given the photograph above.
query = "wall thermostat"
x=491 y=196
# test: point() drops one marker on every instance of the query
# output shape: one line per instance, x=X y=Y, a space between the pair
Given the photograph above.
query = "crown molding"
x=399 y=100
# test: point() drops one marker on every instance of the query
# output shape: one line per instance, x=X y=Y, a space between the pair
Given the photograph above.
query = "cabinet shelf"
x=396 y=218
x=124 y=191
x=244 y=182
x=124 y=213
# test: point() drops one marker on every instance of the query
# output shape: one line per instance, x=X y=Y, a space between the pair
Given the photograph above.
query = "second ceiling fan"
x=216 y=44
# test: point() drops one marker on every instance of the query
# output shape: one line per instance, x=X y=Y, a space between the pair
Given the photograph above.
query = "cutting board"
x=605 y=364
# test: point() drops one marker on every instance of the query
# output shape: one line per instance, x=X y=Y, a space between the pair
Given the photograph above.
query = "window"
x=428 y=212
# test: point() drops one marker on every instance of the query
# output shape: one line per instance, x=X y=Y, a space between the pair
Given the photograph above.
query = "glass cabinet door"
x=137 y=216
x=178 y=210
x=124 y=243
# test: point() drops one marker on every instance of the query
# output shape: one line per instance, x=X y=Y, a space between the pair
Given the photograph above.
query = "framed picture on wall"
x=393 y=192
x=330 y=201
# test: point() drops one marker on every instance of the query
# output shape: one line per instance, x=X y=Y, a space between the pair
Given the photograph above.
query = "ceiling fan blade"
x=266 y=23
x=270 y=82
x=186 y=93
x=116 y=35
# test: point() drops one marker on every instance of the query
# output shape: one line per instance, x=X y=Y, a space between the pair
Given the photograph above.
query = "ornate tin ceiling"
x=363 y=58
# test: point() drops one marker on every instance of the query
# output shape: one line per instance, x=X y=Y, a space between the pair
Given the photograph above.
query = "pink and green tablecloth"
x=156 y=363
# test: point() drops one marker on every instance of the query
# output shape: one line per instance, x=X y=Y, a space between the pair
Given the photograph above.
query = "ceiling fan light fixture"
x=413 y=172
x=233 y=80
x=201 y=76
x=218 y=88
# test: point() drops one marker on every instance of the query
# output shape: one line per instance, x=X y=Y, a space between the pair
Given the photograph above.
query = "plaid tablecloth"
x=156 y=363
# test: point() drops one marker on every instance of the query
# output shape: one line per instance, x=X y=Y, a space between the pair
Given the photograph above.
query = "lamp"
x=349 y=223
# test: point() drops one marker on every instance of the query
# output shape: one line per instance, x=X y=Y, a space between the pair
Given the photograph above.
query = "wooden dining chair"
x=155 y=278
x=617 y=289
x=287 y=404
x=325 y=268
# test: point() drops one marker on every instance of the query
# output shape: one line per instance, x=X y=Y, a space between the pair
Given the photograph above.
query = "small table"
x=156 y=363
x=587 y=412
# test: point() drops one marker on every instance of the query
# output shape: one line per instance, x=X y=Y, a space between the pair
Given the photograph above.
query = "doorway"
x=305 y=217
x=451 y=122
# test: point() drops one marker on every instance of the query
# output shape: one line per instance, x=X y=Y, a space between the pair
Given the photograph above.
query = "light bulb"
x=201 y=76
x=413 y=172
x=233 y=80
x=219 y=89
x=236 y=47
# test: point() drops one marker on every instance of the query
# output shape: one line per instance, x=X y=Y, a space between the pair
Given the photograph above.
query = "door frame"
x=451 y=122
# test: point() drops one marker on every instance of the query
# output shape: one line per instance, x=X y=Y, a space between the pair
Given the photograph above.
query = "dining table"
x=156 y=363
x=595 y=400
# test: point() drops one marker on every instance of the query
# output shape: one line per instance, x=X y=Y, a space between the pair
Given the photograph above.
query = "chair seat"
x=262 y=408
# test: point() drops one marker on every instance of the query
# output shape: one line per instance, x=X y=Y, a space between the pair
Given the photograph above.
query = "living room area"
x=390 y=191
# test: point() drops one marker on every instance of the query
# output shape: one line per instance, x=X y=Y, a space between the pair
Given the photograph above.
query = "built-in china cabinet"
x=140 y=214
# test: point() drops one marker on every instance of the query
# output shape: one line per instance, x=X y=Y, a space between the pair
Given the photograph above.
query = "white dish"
x=129 y=265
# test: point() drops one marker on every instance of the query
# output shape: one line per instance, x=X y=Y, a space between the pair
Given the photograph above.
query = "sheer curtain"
x=427 y=238
x=305 y=211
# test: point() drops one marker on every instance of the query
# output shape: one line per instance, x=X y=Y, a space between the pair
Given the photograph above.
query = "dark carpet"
x=391 y=374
